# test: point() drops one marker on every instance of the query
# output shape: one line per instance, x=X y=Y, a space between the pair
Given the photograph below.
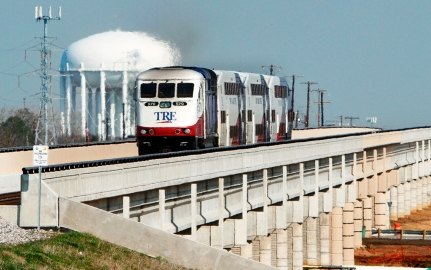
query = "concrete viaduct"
x=271 y=206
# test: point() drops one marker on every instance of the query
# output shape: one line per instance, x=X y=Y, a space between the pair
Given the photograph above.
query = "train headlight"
x=187 y=131
x=151 y=131
x=143 y=131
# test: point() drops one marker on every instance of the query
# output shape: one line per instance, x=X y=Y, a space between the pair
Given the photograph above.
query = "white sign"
x=40 y=155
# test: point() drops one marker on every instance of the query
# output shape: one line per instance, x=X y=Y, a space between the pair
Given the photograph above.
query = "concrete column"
x=407 y=198
x=126 y=207
x=348 y=235
x=297 y=248
x=193 y=205
x=265 y=250
x=313 y=201
x=247 y=251
x=428 y=188
x=380 y=218
x=282 y=250
x=351 y=189
x=413 y=195
x=337 y=236
x=394 y=203
x=241 y=225
x=383 y=177
x=368 y=215
x=281 y=212
x=341 y=191
x=362 y=187
x=358 y=223
x=203 y=235
x=325 y=238
x=424 y=190
x=372 y=182
x=262 y=216
x=400 y=201
x=328 y=195
x=221 y=210
x=162 y=208
x=419 y=199
x=311 y=241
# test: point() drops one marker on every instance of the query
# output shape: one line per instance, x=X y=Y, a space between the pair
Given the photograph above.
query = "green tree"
x=18 y=129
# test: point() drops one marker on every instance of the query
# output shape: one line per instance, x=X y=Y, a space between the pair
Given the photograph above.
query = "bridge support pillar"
x=282 y=250
x=413 y=195
x=424 y=190
x=401 y=201
x=297 y=247
x=310 y=256
x=348 y=235
x=358 y=223
x=337 y=236
x=126 y=207
x=393 y=211
x=368 y=215
x=419 y=205
x=407 y=198
x=380 y=218
x=264 y=249
x=325 y=238
x=362 y=188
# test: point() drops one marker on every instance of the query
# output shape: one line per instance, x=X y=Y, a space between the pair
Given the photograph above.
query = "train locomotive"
x=192 y=107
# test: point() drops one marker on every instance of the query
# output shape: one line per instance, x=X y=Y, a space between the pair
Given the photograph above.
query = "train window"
x=148 y=90
x=166 y=90
x=185 y=90
x=258 y=89
x=232 y=88
x=280 y=91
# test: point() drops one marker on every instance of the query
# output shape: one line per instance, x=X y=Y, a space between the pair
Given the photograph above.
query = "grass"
x=73 y=250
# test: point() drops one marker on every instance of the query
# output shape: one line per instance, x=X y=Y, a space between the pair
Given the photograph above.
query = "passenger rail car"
x=192 y=107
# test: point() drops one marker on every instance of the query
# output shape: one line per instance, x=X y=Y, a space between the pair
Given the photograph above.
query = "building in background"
x=98 y=80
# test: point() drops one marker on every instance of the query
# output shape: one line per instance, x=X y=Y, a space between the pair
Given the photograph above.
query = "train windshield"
x=185 y=90
x=167 y=90
x=148 y=90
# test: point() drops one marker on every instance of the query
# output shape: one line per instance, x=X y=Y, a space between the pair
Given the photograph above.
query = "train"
x=179 y=108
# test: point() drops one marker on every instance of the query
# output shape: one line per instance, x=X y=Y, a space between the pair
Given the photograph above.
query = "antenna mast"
x=43 y=120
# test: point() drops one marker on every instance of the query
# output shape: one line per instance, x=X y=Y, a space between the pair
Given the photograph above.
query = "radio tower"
x=43 y=121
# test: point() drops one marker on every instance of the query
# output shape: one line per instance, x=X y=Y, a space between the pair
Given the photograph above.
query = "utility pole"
x=43 y=120
x=341 y=120
x=351 y=118
x=320 y=103
x=271 y=68
x=307 y=115
x=292 y=91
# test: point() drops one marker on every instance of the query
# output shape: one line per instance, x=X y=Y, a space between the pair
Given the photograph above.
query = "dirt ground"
x=400 y=255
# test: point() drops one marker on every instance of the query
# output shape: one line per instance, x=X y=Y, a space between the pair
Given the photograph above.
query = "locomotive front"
x=169 y=109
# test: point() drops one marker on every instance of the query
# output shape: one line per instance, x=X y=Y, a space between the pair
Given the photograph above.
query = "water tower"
x=97 y=81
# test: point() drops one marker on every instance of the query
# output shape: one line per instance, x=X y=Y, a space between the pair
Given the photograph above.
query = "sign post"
x=40 y=159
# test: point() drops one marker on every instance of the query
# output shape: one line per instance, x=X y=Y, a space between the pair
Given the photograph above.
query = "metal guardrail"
x=329 y=267
x=401 y=233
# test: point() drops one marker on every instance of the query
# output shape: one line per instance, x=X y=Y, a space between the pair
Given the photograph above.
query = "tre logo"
x=165 y=116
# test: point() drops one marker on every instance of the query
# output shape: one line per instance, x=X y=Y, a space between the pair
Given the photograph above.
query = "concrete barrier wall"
x=150 y=241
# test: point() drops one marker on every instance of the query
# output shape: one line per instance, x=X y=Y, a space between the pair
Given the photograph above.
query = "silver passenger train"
x=193 y=107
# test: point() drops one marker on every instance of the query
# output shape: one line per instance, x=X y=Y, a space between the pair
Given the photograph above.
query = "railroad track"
x=10 y=198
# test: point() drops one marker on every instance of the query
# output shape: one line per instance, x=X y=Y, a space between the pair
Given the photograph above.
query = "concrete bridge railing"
x=284 y=205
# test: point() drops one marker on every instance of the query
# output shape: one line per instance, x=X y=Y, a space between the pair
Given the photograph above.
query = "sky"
x=372 y=57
